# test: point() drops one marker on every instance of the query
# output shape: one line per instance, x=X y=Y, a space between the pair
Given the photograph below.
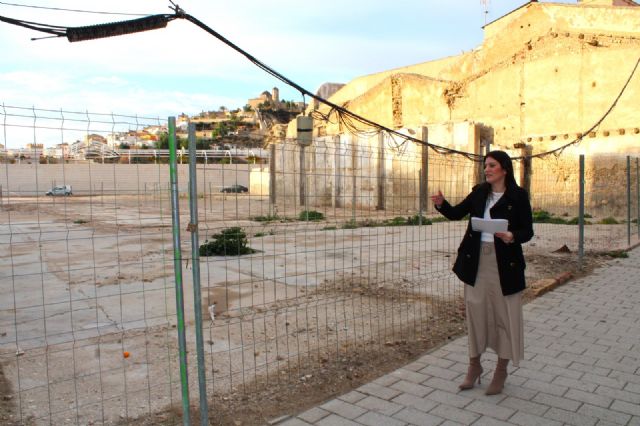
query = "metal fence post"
x=338 y=172
x=303 y=177
x=381 y=178
x=210 y=199
x=272 y=179
x=638 y=196
x=195 y=266
x=581 y=214
x=628 y=200
x=177 y=265
x=424 y=175
x=354 y=166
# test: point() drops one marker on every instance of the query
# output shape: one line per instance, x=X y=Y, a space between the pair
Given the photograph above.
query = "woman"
x=492 y=267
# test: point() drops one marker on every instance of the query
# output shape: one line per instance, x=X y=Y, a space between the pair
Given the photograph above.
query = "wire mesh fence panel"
x=342 y=259
x=606 y=203
x=310 y=255
x=554 y=196
x=87 y=311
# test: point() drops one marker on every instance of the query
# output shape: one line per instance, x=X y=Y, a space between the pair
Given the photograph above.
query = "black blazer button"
x=468 y=256
x=512 y=264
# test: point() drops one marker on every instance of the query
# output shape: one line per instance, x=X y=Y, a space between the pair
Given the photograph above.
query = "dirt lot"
x=88 y=331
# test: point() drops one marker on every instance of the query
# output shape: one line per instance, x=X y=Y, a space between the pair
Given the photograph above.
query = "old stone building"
x=545 y=74
x=265 y=98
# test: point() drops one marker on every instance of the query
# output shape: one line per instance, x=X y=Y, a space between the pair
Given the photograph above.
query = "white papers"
x=490 y=226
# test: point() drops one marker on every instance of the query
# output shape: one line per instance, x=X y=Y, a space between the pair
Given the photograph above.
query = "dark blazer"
x=515 y=207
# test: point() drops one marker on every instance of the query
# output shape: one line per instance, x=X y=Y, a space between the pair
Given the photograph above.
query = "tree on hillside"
x=163 y=142
x=220 y=130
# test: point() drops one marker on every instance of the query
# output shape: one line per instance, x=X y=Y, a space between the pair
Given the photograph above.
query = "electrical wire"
x=73 y=10
x=57 y=31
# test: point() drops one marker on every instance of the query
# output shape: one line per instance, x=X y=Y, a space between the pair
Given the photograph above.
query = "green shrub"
x=259 y=234
x=574 y=221
x=417 y=220
x=267 y=218
x=351 y=224
x=396 y=221
x=329 y=228
x=541 y=216
x=609 y=221
x=439 y=219
x=618 y=254
x=310 y=215
x=369 y=223
x=80 y=221
x=229 y=242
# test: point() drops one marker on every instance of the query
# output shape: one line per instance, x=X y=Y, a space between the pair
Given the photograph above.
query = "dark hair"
x=506 y=164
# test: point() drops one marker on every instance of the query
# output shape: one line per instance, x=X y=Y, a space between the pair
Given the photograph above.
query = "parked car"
x=60 y=190
x=235 y=188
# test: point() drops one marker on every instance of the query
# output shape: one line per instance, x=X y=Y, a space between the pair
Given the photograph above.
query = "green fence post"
x=177 y=265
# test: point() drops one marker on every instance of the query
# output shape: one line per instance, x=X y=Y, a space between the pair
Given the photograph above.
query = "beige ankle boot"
x=473 y=372
x=499 y=377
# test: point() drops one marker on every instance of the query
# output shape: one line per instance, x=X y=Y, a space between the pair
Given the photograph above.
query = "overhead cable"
x=72 y=10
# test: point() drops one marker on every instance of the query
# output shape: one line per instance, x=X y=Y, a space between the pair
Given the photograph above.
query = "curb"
x=557 y=282
x=566 y=276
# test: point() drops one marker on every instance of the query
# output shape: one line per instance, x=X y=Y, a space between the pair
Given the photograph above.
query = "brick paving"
x=582 y=367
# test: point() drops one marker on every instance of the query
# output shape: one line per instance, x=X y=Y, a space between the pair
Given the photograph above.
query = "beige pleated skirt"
x=493 y=320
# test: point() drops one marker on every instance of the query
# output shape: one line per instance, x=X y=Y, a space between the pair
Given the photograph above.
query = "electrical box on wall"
x=304 y=130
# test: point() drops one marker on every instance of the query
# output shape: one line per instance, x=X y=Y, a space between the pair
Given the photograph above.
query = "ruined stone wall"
x=555 y=182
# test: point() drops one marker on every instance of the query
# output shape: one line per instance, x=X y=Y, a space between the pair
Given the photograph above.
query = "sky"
x=182 y=69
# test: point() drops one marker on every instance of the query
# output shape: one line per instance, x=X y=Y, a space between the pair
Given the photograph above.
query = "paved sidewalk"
x=582 y=368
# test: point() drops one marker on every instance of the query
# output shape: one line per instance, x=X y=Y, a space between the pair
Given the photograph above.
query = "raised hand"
x=438 y=199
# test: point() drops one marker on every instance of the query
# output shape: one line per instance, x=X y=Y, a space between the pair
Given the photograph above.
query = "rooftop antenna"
x=485 y=4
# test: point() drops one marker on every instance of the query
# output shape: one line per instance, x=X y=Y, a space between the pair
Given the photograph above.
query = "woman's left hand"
x=506 y=237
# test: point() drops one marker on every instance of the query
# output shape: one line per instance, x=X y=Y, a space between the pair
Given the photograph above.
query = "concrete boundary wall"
x=371 y=172
x=30 y=179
